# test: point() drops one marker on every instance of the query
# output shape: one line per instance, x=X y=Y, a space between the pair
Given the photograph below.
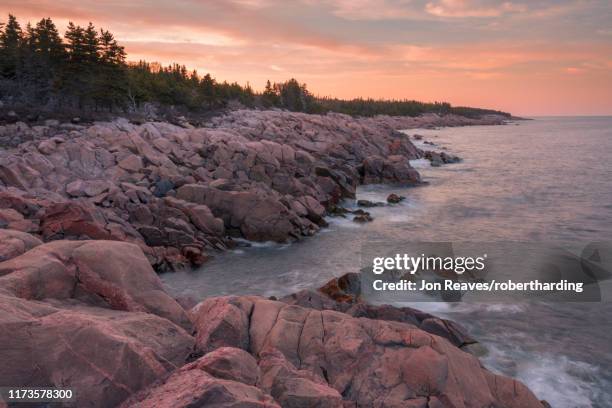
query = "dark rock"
x=363 y=218
x=367 y=203
x=394 y=198
x=162 y=187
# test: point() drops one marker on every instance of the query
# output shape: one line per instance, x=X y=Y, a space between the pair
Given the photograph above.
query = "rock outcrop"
x=87 y=315
x=310 y=357
x=182 y=193
x=92 y=316
x=343 y=294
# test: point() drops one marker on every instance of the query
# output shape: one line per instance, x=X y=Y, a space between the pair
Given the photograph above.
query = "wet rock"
x=259 y=218
x=394 y=198
x=368 y=203
x=343 y=294
x=363 y=218
x=200 y=216
x=338 y=211
x=392 y=169
x=194 y=255
x=439 y=158
x=346 y=288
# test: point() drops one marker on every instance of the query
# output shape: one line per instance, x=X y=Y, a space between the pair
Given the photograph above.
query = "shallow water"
x=549 y=179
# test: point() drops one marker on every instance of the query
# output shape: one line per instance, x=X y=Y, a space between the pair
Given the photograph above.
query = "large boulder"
x=230 y=363
x=108 y=274
x=343 y=294
x=200 y=215
x=91 y=316
x=258 y=217
x=193 y=386
x=221 y=322
x=293 y=388
x=392 y=169
x=103 y=355
x=368 y=362
x=73 y=219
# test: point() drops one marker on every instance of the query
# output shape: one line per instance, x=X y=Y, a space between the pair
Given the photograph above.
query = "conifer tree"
x=42 y=57
x=269 y=96
x=11 y=38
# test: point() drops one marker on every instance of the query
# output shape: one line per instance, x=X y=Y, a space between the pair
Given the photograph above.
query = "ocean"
x=543 y=180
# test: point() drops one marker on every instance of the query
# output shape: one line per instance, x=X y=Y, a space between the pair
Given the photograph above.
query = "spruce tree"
x=269 y=96
x=75 y=73
x=113 y=78
x=11 y=38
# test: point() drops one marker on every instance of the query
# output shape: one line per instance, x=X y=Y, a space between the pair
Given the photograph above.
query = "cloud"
x=467 y=8
x=370 y=9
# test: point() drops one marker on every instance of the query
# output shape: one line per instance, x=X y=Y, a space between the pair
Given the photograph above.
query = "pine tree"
x=11 y=38
x=207 y=89
x=113 y=78
x=43 y=54
x=76 y=70
x=269 y=96
x=91 y=45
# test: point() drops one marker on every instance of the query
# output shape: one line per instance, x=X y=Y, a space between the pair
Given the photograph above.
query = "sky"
x=528 y=57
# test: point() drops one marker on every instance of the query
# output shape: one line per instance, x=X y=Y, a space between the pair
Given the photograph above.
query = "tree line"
x=86 y=69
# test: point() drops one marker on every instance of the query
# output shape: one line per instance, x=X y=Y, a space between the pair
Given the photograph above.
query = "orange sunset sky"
x=534 y=57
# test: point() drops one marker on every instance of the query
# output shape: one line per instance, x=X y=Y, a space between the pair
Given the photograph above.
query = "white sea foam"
x=420 y=163
x=341 y=222
x=256 y=244
x=562 y=382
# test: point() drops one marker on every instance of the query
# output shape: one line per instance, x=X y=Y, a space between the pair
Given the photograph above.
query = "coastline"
x=182 y=193
x=62 y=290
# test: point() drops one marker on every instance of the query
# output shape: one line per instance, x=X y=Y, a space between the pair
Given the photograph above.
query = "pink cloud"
x=467 y=8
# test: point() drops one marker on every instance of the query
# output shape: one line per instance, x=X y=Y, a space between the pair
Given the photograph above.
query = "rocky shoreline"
x=93 y=316
x=89 y=213
x=182 y=193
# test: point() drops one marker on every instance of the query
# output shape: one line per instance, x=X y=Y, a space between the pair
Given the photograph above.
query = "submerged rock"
x=368 y=203
x=439 y=158
x=394 y=198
